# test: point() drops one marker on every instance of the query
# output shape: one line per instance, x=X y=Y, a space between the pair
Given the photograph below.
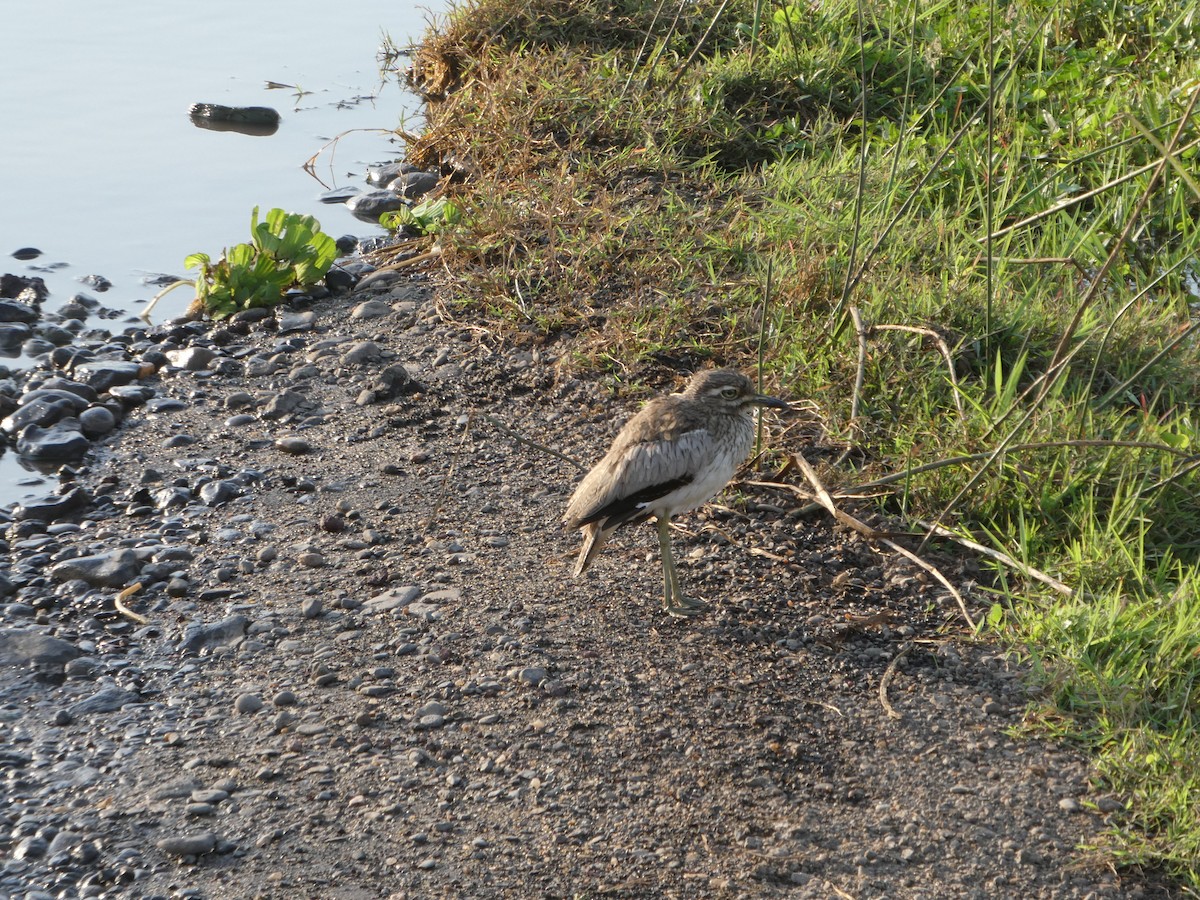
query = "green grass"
x=990 y=174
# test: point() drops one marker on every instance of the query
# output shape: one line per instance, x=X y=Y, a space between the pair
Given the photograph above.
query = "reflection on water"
x=104 y=173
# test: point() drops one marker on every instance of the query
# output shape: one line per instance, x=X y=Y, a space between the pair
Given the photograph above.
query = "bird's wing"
x=636 y=473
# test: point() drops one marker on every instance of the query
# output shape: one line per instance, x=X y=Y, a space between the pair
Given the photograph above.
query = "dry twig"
x=867 y=531
x=119 y=603
x=888 y=675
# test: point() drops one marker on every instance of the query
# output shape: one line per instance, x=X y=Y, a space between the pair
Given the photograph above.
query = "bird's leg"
x=673 y=603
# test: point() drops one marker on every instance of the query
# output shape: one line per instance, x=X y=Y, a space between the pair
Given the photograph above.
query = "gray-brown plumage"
x=674 y=455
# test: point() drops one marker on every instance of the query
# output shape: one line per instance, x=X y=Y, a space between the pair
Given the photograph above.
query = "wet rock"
x=62 y=440
x=416 y=184
x=55 y=334
x=30 y=848
x=384 y=174
x=36 y=346
x=97 y=421
x=339 y=195
x=27 y=289
x=370 y=206
x=21 y=647
x=16 y=311
x=98 y=283
x=104 y=374
x=53 y=508
x=26 y=253
x=199 y=635
x=44 y=409
x=114 y=569
x=13 y=334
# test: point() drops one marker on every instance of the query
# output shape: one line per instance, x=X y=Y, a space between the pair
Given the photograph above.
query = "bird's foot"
x=685 y=608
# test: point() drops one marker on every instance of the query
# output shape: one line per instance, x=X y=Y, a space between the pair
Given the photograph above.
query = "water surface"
x=102 y=170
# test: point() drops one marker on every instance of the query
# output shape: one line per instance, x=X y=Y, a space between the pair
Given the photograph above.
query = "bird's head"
x=729 y=389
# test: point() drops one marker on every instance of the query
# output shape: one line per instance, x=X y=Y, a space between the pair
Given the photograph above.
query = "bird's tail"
x=594 y=539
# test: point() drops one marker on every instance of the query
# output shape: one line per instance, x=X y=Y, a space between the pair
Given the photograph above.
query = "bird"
x=677 y=453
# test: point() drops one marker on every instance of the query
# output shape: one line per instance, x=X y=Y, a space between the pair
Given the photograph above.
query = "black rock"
x=56 y=383
x=27 y=253
x=53 y=509
x=385 y=174
x=339 y=280
x=416 y=184
x=105 y=374
x=43 y=411
x=62 y=440
x=13 y=334
x=216 y=493
x=15 y=311
x=339 y=195
x=371 y=205
x=113 y=569
x=97 y=421
x=97 y=283
x=30 y=290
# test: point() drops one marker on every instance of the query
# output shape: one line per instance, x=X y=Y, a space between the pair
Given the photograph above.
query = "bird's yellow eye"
x=729 y=393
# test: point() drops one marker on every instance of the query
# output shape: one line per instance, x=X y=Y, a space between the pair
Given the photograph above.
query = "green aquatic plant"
x=429 y=217
x=286 y=250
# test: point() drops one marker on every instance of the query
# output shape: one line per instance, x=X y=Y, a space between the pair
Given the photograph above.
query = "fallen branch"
x=888 y=675
x=1004 y=558
x=867 y=531
x=119 y=603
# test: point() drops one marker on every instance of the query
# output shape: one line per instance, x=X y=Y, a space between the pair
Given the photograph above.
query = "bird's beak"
x=767 y=400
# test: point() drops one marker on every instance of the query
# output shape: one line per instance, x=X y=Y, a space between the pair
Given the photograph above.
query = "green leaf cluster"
x=286 y=250
x=429 y=217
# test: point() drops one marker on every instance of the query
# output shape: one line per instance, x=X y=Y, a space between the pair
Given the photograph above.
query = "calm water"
x=102 y=170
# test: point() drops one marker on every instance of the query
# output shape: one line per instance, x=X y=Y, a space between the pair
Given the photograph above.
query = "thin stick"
x=862 y=528
x=1004 y=558
x=495 y=423
x=860 y=375
x=942 y=346
x=434 y=252
x=118 y=602
x=762 y=344
x=887 y=679
x=936 y=573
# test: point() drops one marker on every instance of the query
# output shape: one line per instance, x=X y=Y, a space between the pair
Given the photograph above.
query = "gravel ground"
x=364 y=670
